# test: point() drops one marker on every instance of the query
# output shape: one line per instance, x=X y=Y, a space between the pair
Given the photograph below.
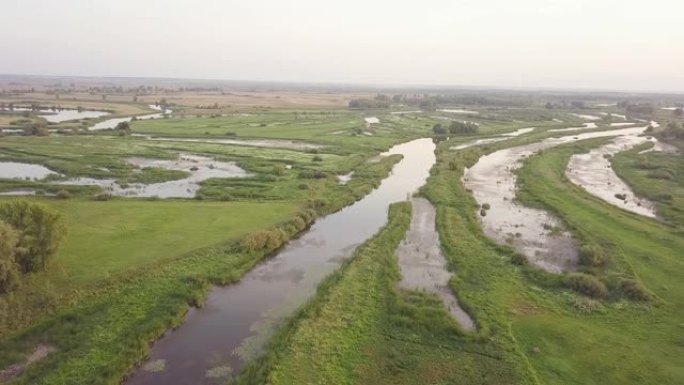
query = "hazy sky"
x=598 y=44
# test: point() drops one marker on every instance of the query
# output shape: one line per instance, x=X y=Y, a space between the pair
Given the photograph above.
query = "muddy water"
x=532 y=232
x=15 y=170
x=58 y=116
x=422 y=264
x=593 y=172
x=110 y=124
x=500 y=138
x=461 y=112
x=200 y=168
x=345 y=178
x=237 y=320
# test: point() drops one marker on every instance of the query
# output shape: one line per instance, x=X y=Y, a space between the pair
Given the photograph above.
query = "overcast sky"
x=597 y=44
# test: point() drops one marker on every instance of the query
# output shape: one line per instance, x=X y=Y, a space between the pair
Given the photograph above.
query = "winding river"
x=214 y=342
x=537 y=234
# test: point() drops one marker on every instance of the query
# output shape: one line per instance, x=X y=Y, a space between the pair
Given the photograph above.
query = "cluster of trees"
x=673 y=130
x=30 y=234
x=379 y=101
x=573 y=104
x=637 y=108
x=456 y=128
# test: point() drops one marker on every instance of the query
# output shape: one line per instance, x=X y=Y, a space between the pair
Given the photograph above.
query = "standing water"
x=236 y=321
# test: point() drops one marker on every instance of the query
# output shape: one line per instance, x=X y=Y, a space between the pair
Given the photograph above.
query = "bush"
x=634 y=290
x=486 y=206
x=63 y=194
x=317 y=158
x=9 y=269
x=312 y=174
x=40 y=229
x=518 y=259
x=593 y=255
x=103 y=197
x=278 y=169
x=587 y=284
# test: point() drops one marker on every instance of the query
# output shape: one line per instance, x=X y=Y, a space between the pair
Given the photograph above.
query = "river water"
x=535 y=233
x=214 y=342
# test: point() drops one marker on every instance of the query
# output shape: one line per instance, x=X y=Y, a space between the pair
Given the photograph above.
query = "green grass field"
x=115 y=237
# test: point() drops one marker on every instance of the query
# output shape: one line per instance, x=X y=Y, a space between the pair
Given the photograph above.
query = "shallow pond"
x=200 y=168
x=422 y=264
x=16 y=170
x=237 y=320
x=535 y=233
x=58 y=116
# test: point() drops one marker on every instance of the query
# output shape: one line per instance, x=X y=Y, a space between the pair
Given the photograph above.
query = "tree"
x=9 y=270
x=124 y=128
x=678 y=111
x=456 y=127
x=40 y=229
x=439 y=129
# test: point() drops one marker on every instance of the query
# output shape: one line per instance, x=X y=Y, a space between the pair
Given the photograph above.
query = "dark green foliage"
x=635 y=290
x=9 y=270
x=40 y=232
x=587 y=284
x=593 y=255
x=458 y=128
x=439 y=129
x=63 y=194
x=519 y=259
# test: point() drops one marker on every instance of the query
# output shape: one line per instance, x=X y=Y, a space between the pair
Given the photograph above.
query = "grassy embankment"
x=618 y=341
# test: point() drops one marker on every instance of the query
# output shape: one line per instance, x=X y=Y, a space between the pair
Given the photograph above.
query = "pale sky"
x=595 y=44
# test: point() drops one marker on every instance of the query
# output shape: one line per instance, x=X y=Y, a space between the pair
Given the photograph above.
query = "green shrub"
x=593 y=255
x=103 y=197
x=634 y=290
x=41 y=230
x=518 y=259
x=63 y=194
x=9 y=269
x=587 y=284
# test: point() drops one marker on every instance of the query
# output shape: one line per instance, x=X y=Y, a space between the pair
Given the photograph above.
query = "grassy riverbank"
x=618 y=341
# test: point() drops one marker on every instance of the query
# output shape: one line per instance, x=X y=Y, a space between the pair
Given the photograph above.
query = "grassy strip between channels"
x=656 y=176
x=360 y=328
